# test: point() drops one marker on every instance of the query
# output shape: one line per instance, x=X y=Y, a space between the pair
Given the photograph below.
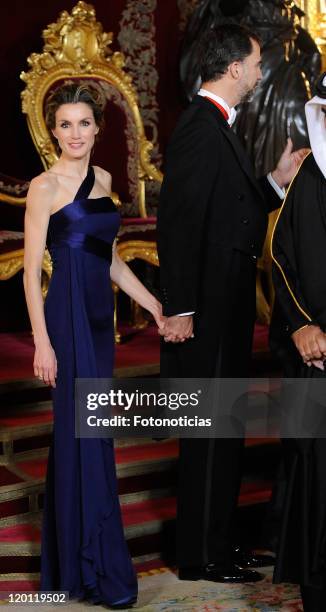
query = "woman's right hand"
x=45 y=363
x=157 y=313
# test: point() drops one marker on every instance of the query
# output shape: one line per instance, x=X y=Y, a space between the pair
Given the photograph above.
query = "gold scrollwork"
x=138 y=249
x=47 y=264
x=315 y=22
x=129 y=250
x=13 y=200
x=11 y=263
x=149 y=170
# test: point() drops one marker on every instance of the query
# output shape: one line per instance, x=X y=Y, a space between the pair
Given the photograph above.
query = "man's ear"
x=235 y=70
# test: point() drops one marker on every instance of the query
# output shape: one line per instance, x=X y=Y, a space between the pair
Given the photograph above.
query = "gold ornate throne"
x=76 y=48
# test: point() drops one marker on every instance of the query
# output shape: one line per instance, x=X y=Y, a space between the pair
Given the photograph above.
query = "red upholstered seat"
x=137 y=228
x=12 y=186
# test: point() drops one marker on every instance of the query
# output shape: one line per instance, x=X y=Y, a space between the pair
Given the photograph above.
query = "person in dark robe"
x=298 y=334
x=290 y=65
x=212 y=221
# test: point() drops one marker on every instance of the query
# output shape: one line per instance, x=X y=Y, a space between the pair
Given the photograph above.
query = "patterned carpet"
x=161 y=591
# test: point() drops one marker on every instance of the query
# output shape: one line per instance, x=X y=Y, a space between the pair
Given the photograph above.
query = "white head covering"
x=316 y=124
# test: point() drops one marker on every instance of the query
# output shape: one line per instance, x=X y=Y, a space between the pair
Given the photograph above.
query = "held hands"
x=311 y=344
x=177 y=329
x=174 y=329
x=45 y=363
x=288 y=164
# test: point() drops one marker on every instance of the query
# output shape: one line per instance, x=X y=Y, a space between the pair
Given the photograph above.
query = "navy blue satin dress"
x=83 y=546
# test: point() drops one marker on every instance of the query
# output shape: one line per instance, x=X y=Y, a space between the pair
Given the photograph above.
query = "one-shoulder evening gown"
x=83 y=546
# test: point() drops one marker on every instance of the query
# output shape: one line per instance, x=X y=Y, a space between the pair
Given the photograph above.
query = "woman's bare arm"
x=122 y=275
x=38 y=207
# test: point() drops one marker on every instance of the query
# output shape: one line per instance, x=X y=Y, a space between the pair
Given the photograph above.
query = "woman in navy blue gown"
x=69 y=209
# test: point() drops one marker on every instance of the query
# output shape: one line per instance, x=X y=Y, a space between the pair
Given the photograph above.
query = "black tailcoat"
x=212 y=222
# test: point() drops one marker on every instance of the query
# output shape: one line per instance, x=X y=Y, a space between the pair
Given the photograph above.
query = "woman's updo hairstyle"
x=72 y=93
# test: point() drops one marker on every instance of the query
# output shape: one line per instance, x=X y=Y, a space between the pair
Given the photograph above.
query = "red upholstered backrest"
x=11 y=241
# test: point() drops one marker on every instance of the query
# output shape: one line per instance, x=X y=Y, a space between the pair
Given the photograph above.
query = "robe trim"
x=305 y=314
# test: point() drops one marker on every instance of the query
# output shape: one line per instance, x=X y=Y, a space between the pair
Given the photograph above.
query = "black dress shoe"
x=246 y=558
x=230 y=575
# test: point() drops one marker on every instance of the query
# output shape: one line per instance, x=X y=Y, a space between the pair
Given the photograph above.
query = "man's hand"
x=317 y=363
x=288 y=164
x=311 y=343
x=177 y=329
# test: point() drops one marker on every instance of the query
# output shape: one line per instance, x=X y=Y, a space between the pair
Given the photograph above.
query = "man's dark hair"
x=221 y=46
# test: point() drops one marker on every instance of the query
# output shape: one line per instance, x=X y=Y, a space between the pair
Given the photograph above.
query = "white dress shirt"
x=231 y=112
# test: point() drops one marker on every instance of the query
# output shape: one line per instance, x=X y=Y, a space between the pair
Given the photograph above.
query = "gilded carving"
x=47 y=264
x=316 y=23
x=8 y=199
x=138 y=249
x=13 y=262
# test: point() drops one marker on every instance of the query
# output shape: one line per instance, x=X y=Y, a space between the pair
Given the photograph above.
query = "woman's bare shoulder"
x=103 y=176
x=44 y=181
x=101 y=172
x=43 y=187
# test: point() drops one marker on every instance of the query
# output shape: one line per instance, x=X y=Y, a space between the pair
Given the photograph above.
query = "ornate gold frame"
x=13 y=262
x=129 y=250
x=315 y=22
x=12 y=200
x=138 y=249
x=75 y=46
